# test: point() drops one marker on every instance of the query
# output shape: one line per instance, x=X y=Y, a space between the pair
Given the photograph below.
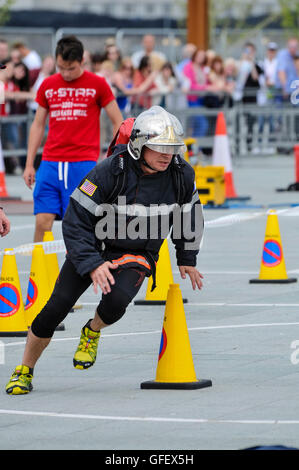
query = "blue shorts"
x=55 y=182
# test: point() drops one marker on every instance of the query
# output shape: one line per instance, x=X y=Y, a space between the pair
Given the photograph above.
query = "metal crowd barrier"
x=269 y=129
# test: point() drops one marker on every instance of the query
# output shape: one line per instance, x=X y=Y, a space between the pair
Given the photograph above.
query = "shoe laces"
x=88 y=343
x=23 y=378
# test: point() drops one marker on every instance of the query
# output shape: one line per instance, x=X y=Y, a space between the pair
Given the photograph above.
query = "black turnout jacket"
x=130 y=230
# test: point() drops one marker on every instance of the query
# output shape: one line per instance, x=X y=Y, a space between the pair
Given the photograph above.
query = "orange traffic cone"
x=175 y=368
x=221 y=157
x=273 y=269
x=12 y=315
x=293 y=186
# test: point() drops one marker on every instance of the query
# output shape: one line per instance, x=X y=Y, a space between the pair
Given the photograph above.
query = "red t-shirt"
x=74 y=116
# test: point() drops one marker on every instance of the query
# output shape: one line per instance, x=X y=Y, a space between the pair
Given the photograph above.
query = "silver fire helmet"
x=158 y=130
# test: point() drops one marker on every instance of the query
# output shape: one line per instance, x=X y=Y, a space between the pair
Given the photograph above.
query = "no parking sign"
x=272 y=253
x=10 y=300
x=32 y=292
x=163 y=343
x=273 y=269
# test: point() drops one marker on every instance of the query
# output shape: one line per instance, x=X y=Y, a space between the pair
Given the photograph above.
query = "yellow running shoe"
x=86 y=353
x=20 y=381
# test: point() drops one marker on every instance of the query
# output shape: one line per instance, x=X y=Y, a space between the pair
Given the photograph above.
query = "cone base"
x=291 y=187
x=238 y=198
x=153 y=384
x=13 y=333
x=273 y=281
x=154 y=302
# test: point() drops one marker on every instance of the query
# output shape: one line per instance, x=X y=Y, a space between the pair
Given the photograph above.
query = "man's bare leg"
x=43 y=223
x=97 y=323
x=20 y=381
x=33 y=349
x=35 y=345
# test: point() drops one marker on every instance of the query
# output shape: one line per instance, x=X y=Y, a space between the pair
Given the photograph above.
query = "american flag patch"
x=88 y=188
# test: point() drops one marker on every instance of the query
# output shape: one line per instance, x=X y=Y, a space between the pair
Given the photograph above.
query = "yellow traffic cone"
x=175 y=368
x=12 y=315
x=164 y=278
x=51 y=262
x=38 y=291
x=273 y=269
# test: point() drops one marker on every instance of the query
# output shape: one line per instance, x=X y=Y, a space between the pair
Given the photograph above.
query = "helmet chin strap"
x=144 y=162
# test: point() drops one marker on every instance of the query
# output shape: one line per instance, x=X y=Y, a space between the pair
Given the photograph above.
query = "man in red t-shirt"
x=72 y=99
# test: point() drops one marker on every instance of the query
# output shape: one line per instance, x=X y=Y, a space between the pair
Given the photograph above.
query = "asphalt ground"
x=243 y=337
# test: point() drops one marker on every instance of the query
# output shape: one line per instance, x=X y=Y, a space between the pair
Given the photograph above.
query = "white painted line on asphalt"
x=227 y=304
x=203 y=271
x=219 y=304
x=138 y=333
x=159 y=419
x=22 y=227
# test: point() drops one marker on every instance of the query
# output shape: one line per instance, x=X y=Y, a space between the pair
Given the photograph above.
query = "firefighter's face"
x=158 y=161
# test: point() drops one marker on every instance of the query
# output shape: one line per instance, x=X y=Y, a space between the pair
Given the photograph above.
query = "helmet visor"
x=167 y=148
x=169 y=141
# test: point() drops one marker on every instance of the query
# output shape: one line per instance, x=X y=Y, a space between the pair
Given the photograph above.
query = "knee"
x=53 y=313
x=113 y=306
x=44 y=221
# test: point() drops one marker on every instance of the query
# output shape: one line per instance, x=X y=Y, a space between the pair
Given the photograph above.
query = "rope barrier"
x=58 y=246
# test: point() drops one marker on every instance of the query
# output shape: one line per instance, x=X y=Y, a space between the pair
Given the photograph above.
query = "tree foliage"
x=290 y=14
x=5 y=10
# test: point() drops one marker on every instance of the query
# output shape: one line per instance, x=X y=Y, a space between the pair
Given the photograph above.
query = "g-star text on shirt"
x=70 y=92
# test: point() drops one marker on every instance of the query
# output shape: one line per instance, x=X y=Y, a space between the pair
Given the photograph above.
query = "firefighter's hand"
x=101 y=276
x=195 y=276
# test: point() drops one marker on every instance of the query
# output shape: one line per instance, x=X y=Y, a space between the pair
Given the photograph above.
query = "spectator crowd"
x=200 y=79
